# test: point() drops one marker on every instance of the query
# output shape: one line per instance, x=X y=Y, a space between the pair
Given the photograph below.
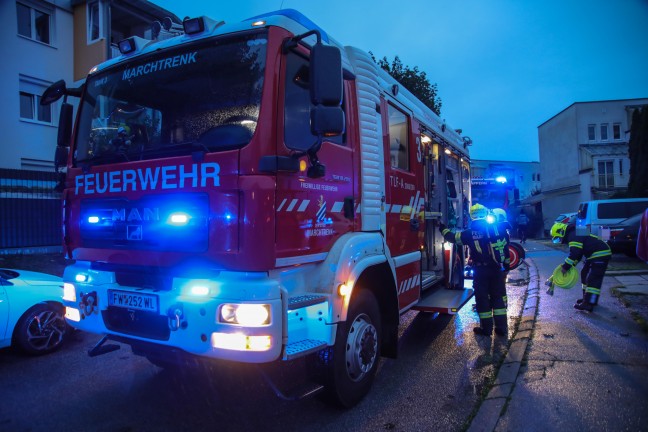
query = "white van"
x=595 y=216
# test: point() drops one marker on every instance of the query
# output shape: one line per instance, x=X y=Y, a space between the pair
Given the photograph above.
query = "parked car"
x=31 y=311
x=566 y=218
x=594 y=215
x=623 y=236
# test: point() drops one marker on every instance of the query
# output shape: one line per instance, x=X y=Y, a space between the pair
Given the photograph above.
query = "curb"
x=492 y=407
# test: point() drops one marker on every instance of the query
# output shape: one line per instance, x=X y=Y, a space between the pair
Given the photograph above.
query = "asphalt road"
x=435 y=384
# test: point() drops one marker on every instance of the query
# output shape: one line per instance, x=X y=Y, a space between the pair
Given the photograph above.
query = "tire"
x=352 y=367
x=42 y=329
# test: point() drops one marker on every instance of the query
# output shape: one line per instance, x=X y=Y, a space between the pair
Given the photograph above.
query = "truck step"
x=430 y=279
x=305 y=300
x=296 y=392
x=303 y=347
x=443 y=300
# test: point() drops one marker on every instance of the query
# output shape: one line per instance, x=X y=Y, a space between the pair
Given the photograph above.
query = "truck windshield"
x=201 y=97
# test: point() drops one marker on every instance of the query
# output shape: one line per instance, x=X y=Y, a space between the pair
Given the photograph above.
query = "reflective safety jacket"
x=488 y=243
x=590 y=247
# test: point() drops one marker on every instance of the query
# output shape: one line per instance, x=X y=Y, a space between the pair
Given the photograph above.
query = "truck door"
x=404 y=200
x=310 y=211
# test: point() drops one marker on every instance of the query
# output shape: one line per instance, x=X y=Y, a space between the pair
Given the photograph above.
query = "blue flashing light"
x=127 y=46
x=297 y=17
x=194 y=25
x=500 y=179
x=93 y=219
x=82 y=277
x=179 y=218
x=490 y=219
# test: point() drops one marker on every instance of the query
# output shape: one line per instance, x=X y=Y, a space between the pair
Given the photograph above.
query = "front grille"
x=137 y=276
x=137 y=323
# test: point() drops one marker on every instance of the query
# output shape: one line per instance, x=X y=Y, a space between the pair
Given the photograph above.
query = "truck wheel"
x=356 y=353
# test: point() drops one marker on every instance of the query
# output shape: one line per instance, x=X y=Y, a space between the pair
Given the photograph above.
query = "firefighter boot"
x=486 y=324
x=580 y=300
x=501 y=322
x=586 y=305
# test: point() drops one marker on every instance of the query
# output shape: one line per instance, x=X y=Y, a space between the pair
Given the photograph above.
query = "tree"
x=414 y=80
x=638 y=154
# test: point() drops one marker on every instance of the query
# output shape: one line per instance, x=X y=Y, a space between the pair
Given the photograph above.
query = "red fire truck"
x=257 y=192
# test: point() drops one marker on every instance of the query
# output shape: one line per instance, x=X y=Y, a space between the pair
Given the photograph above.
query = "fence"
x=30 y=211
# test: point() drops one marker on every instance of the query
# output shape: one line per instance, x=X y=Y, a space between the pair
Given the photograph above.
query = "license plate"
x=130 y=300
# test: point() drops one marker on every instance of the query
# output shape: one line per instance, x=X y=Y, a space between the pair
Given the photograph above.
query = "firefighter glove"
x=442 y=227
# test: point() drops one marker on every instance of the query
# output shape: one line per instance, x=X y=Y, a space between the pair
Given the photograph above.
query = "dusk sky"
x=503 y=67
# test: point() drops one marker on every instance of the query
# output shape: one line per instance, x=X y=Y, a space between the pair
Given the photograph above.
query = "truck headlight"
x=247 y=315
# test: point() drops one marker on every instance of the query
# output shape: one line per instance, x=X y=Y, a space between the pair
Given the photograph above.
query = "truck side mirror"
x=53 y=93
x=326 y=87
x=65 y=125
x=325 y=75
x=327 y=121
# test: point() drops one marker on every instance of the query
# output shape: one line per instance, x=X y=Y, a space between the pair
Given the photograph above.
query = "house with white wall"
x=584 y=154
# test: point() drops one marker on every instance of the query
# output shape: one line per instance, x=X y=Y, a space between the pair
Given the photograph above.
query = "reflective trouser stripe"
x=593 y=290
x=488 y=314
x=570 y=261
x=600 y=254
x=499 y=312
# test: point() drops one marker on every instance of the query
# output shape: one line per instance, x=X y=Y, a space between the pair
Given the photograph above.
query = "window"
x=604 y=132
x=297 y=131
x=33 y=23
x=606 y=174
x=591 y=132
x=616 y=131
x=31 y=90
x=538 y=176
x=95 y=27
x=398 y=139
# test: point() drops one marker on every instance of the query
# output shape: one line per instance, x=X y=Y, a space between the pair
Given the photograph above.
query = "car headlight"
x=247 y=315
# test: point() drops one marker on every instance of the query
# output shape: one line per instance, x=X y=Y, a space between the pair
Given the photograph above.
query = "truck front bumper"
x=221 y=317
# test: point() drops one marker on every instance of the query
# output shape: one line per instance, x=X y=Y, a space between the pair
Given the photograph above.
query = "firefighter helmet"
x=478 y=211
x=500 y=214
x=558 y=231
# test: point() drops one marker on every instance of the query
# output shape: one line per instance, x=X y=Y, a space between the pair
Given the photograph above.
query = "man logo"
x=134 y=232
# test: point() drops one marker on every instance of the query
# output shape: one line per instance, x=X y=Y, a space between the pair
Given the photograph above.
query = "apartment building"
x=584 y=154
x=43 y=42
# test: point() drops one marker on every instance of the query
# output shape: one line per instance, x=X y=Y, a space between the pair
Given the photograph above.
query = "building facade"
x=584 y=154
x=43 y=42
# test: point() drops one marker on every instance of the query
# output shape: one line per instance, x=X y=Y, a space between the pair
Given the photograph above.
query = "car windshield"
x=198 y=97
x=7 y=274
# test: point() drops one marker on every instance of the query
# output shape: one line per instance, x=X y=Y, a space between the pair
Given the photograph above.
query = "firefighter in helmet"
x=489 y=253
x=597 y=255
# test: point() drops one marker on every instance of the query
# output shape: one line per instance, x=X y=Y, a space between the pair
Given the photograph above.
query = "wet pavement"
x=571 y=370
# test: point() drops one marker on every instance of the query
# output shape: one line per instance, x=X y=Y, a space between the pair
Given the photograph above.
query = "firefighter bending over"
x=489 y=252
x=597 y=256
